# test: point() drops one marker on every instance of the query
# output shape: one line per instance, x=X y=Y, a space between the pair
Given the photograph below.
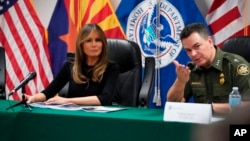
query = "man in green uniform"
x=210 y=76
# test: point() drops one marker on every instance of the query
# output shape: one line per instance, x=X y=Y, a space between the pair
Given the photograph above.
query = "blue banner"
x=155 y=25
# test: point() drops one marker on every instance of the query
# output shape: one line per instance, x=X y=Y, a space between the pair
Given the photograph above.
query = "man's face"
x=199 y=49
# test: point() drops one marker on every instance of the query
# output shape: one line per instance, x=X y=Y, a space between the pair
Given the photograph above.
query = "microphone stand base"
x=23 y=102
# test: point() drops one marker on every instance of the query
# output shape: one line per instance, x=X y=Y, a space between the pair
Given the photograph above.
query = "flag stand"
x=23 y=102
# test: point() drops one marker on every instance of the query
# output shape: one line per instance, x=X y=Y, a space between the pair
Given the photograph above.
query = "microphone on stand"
x=29 y=77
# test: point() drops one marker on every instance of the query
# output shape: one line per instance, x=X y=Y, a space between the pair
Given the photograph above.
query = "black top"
x=104 y=90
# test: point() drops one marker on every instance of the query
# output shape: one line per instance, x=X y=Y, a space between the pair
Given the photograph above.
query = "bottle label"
x=235 y=101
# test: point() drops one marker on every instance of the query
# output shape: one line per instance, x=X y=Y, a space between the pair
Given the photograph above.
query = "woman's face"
x=92 y=47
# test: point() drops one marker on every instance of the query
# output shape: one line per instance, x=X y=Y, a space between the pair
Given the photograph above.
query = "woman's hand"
x=57 y=100
x=30 y=99
x=39 y=97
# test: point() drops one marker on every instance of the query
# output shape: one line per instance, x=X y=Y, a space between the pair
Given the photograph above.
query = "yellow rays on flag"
x=90 y=11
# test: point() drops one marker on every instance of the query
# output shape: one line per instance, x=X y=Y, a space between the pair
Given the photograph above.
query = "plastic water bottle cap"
x=235 y=88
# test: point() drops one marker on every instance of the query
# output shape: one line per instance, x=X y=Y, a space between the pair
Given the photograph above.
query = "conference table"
x=44 y=124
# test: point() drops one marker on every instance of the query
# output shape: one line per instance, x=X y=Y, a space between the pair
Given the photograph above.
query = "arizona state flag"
x=67 y=19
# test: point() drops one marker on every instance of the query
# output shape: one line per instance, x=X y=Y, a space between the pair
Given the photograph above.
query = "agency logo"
x=156 y=28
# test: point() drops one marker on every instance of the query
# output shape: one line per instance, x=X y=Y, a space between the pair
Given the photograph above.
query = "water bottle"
x=234 y=98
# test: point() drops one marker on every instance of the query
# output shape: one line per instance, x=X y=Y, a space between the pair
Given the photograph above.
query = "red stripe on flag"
x=16 y=97
x=102 y=14
x=216 y=4
x=76 y=13
x=87 y=12
x=114 y=33
x=225 y=20
x=236 y=34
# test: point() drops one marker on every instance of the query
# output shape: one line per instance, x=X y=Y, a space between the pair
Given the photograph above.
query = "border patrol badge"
x=222 y=79
x=243 y=69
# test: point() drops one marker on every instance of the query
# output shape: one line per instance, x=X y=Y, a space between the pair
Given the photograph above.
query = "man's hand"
x=182 y=72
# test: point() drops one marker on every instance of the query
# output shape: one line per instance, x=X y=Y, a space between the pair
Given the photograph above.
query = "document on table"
x=75 y=107
x=102 y=109
x=68 y=106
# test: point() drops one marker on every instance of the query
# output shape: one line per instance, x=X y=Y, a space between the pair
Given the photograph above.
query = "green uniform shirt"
x=215 y=83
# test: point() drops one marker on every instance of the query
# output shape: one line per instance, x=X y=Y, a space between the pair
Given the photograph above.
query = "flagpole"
x=245 y=18
x=156 y=65
x=157 y=94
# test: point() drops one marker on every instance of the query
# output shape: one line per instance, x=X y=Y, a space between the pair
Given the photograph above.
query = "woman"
x=91 y=76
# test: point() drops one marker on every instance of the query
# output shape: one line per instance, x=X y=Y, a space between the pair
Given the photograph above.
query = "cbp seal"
x=156 y=28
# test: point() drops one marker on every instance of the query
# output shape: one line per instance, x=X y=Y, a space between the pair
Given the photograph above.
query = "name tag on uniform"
x=187 y=112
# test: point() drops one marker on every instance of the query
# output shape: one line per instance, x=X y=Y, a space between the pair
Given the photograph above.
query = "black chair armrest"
x=2 y=73
x=147 y=84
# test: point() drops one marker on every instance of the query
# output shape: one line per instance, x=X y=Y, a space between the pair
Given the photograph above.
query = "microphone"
x=29 y=77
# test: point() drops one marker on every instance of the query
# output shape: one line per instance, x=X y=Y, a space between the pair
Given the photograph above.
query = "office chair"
x=133 y=87
x=238 y=45
x=2 y=73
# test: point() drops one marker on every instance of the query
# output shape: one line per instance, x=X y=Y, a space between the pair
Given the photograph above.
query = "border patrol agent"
x=214 y=84
x=210 y=76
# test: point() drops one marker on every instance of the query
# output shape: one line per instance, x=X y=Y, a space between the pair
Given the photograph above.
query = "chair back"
x=238 y=45
x=2 y=73
x=128 y=55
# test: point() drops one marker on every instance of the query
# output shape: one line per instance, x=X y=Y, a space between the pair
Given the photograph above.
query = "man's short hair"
x=194 y=27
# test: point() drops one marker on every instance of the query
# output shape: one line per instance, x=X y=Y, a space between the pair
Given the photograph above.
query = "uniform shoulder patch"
x=243 y=69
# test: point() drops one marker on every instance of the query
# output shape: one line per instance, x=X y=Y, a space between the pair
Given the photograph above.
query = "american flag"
x=23 y=37
x=228 y=18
